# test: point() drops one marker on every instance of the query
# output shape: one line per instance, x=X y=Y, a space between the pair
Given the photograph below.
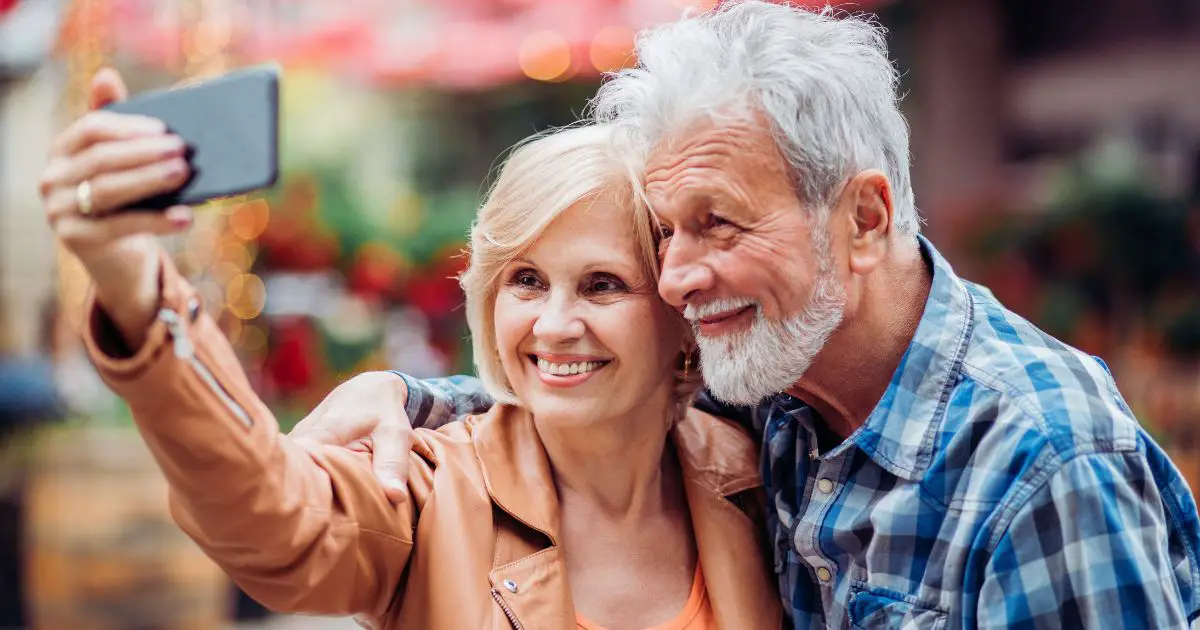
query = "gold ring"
x=83 y=197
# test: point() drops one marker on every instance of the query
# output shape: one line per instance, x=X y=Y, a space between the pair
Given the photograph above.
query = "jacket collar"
x=717 y=459
x=716 y=454
x=516 y=469
x=713 y=453
x=720 y=460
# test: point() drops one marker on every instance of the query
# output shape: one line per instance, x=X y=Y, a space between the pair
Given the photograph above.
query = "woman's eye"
x=605 y=284
x=665 y=232
x=526 y=279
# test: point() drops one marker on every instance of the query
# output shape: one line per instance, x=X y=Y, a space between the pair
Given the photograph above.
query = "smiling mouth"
x=566 y=368
x=720 y=317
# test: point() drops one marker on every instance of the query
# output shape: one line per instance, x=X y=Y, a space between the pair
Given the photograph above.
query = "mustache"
x=694 y=312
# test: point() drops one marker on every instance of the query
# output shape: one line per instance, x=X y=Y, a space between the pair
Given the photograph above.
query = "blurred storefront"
x=1057 y=160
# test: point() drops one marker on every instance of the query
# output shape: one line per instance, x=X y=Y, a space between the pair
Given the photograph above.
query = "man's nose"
x=684 y=276
x=558 y=321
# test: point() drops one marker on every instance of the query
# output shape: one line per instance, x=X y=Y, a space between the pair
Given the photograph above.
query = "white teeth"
x=567 y=369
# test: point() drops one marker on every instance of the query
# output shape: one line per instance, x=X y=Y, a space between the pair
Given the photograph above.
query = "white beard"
x=746 y=367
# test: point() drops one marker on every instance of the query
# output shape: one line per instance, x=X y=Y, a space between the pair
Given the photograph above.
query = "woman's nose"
x=558 y=321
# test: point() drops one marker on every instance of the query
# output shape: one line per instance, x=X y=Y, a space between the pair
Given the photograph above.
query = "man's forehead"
x=711 y=141
x=682 y=138
x=688 y=160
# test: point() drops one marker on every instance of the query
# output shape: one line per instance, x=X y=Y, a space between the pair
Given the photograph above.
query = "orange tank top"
x=697 y=612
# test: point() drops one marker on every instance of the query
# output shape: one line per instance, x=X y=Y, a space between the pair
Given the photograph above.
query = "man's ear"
x=867 y=199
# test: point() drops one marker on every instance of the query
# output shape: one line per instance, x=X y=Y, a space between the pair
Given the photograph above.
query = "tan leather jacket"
x=309 y=530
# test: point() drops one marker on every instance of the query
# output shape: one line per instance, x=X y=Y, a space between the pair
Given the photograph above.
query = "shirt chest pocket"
x=877 y=608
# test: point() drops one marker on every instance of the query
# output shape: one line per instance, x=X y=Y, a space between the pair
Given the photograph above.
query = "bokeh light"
x=250 y=219
x=211 y=36
x=702 y=5
x=235 y=253
x=211 y=294
x=245 y=296
x=612 y=49
x=233 y=329
x=545 y=56
x=223 y=272
x=252 y=340
x=198 y=248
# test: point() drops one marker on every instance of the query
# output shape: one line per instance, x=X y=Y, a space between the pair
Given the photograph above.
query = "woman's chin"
x=566 y=410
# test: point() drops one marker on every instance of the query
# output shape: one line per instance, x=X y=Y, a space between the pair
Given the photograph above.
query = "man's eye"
x=715 y=221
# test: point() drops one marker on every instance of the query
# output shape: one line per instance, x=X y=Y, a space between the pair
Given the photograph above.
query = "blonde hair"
x=544 y=177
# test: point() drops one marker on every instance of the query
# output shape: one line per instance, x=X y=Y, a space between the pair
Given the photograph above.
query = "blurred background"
x=1056 y=153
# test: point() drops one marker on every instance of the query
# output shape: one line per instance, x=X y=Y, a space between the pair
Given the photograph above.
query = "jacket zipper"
x=185 y=350
x=512 y=617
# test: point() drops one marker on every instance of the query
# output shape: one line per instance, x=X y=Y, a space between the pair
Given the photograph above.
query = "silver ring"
x=83 y=197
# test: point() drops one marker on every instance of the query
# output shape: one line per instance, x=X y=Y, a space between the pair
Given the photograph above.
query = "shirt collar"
x=901 y=433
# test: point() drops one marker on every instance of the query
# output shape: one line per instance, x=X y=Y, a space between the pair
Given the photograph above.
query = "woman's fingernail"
x=176 y=169
x=179 y=215
x=175 y=146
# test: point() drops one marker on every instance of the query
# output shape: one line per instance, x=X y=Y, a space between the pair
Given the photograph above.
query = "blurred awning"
x=464 y=44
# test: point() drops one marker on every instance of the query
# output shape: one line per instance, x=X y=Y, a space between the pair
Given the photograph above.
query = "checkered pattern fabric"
x=1001 y=482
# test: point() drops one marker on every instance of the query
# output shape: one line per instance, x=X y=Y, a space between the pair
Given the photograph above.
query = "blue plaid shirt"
x=1001 y=482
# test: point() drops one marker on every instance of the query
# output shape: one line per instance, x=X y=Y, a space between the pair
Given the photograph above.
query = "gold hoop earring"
x=687 y=363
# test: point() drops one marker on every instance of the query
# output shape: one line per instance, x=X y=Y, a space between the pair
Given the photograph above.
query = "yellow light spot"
x=233 y=330
x=211 y=294
x=235 y=253
x=198 y=247
x=544 y=56
x=612 y=49
x=223 y=272
x=703 y=5
x=250 y=219
x=245 y=296
x=253 y=340
x=211 y=36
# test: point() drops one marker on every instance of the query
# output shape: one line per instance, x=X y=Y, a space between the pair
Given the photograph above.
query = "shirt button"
x=825 y=486
x=824 y=575
x=510 y=585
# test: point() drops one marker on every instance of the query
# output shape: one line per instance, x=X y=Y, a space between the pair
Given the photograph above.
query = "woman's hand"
x=102 y=162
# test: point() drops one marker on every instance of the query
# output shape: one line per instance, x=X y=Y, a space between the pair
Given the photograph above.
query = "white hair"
x=822 y=80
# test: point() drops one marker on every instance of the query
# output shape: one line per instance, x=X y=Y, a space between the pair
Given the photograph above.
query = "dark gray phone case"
x=231 y=127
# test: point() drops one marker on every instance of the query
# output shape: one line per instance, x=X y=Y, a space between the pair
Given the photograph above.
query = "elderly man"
x=933 y=459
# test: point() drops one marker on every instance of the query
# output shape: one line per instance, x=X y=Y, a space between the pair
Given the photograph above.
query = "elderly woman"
x=591 y=498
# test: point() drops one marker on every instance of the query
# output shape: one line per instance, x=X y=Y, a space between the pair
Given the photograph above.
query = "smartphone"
x=231 y=127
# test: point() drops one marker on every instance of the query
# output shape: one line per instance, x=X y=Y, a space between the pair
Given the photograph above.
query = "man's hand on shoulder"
x=366 y=414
